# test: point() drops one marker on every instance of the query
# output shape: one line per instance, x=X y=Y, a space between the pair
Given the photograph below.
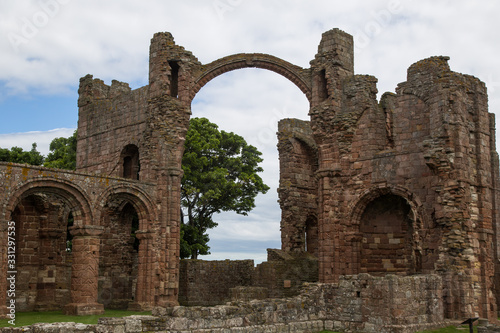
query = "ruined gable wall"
x=429 y=144
x=110 y=118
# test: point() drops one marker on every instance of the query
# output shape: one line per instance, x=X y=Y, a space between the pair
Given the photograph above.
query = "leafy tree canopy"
x=62 y=153
x=18 y=155
x=220 y=174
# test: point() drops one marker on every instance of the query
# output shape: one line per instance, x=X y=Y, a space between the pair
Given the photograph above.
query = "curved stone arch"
x=71 y=193
x=132 y=194
x=297 y=75
x=358 y=207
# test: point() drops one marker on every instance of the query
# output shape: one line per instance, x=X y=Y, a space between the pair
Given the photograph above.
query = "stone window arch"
x=130 y=162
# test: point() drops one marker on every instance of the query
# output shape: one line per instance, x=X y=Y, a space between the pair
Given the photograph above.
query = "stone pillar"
x=85 y=272
x=328 y=258
x=170 y=277
x=144 y=292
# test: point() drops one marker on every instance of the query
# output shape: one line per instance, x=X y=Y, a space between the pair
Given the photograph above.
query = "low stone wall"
x=208 y=283
x=488 y=329
x=284 y=273
x=361 y=303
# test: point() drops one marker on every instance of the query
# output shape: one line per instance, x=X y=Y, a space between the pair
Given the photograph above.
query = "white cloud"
x=26 y=139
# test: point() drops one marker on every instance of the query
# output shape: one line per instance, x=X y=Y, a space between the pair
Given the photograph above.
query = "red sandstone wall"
x=209 y=282
x=428 y=144
x=109 y=119
x=298 y=186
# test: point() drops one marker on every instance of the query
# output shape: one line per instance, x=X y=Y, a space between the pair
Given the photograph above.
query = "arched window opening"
x=322 y=86
x=69 y=236
x=311 y=237
x=130 y=162
x=174 y=78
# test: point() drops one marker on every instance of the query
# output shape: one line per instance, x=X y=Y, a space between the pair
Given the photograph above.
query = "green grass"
x=29 y=318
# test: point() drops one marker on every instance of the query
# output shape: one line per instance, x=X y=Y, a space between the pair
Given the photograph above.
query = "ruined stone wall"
x=118 y=265
x=298 y=187
x=40 y=202
x=425 y=151
x=284 y=273
x=109 y=119
x=206 y=283
x=209 y=282
x=43 y=261
x=488 y=329
x=357 y=303
x=423 y=158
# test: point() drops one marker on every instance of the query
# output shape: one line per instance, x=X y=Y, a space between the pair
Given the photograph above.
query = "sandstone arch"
x=71 y=193
x=41 y=210
x=135 y=196
x=299 y=76
x=357 y=207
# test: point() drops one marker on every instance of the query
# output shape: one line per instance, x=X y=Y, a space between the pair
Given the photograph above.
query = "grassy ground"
x=28 y=318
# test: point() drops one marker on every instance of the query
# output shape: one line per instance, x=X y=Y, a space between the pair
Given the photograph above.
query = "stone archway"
x=126 y=272
x=47 y=276
x=297 y=75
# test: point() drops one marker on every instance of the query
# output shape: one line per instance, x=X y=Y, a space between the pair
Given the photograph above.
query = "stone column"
x=173 y=248
x=144 y=292
x=85 y=271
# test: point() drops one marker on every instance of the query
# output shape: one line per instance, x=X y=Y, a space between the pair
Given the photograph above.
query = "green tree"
x=18 y=155
x=62 y=153
x=220 y=174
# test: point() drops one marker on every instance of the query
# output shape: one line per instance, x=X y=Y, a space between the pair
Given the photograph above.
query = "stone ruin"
x=403 y=189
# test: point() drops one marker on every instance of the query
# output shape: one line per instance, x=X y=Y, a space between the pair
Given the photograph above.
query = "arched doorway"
x=125 y=272
x=119 y=255
x=43 y=211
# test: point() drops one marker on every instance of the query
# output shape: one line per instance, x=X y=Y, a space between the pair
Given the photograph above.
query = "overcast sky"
x=47 y=45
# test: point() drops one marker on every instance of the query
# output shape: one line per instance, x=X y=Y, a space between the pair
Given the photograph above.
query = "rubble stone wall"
x=209 y=282
x=357 y=303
